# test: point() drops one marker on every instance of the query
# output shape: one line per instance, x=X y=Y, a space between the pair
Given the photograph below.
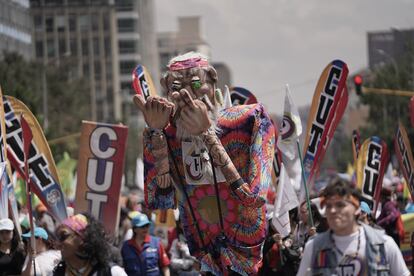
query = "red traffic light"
x=358 y=80
x=358 y=84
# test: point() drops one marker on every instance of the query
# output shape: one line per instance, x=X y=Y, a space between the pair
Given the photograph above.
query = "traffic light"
x=358 y=84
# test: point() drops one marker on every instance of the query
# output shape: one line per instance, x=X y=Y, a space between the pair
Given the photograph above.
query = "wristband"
x=236 y=184
x=156 y=131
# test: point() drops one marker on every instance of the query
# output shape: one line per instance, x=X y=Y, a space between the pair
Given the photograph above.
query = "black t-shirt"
x=11 y=264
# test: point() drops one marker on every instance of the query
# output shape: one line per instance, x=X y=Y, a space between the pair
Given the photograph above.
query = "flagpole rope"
x=185 y=194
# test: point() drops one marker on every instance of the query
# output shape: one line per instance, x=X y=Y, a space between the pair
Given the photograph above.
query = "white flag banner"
x=286 y=200
x=282 y=224
x=227 y=99
x=288 y=140
x=291 y=128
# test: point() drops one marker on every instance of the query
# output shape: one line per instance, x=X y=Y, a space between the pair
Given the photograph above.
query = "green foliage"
x=67 y=97
x=339 y=153
x=68 y=103
x=385 y=111
x=21 y=80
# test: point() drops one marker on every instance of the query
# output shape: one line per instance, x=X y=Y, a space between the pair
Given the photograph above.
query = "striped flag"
x=372 y=162
x=328 y=105
x=405 y=157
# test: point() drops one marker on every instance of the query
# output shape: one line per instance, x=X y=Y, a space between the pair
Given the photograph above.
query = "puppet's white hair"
x=186 y=56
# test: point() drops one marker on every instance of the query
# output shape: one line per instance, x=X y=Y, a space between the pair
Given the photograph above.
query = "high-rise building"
x=105 y=40
x=387 y=47
x=136 y=44
x=16 y=27
x=187 y=38
x=82 y=35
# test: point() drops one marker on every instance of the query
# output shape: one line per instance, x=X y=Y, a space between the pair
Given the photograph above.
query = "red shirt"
x=163 y=259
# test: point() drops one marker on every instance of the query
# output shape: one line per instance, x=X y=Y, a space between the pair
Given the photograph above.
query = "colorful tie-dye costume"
x=247 y=134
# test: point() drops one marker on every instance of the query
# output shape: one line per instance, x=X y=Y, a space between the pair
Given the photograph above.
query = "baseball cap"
x=365 y=208
x=6 y=224
x=39 y=232
x=140 y=220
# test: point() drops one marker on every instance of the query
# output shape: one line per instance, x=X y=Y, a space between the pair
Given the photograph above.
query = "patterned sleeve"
x=155 y=198
x=261 y=153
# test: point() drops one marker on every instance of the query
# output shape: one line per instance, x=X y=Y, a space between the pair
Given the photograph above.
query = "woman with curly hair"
x=85 y=248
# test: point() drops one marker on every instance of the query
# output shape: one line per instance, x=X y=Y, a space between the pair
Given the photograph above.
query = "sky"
x=270 y=43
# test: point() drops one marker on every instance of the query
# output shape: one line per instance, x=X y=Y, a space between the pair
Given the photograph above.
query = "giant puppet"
x=189 y=133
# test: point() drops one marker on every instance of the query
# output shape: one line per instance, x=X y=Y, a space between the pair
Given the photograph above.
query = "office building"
x=389 y=47
x=82 y=35
x=16 y=28
x=188 y=38
x=137 y=45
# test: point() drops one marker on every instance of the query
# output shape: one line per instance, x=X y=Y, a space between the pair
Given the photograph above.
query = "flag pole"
x=27 y=138
x=306 y=186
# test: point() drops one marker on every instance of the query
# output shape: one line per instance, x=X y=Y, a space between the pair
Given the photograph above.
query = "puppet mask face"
x=197 y=81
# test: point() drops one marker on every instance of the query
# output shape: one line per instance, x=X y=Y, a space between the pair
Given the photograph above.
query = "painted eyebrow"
x=194 y=71
x=177 y=75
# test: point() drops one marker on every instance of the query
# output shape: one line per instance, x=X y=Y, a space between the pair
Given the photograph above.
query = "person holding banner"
x=388 y=219
x=85 y=248
x=218 y=159
x=303 y=230
x=11 y=250
x=46 y=256
x=349 y=248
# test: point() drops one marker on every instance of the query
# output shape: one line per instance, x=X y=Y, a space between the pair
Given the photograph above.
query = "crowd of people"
x=213 y=163
x=348 y=239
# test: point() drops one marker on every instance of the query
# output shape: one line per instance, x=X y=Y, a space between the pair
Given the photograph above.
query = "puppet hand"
x=193 y=113
x=247 y=198
x=156 y=110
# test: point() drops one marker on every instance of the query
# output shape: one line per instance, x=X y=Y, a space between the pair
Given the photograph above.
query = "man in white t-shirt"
x=349 y=248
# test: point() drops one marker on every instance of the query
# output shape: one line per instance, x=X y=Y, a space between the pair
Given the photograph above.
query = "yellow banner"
x=405 y=244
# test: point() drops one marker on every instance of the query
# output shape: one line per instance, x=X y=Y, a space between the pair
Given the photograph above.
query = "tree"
x=19 y=78
x=67 y=97
x=385 y=111
x=68 y=103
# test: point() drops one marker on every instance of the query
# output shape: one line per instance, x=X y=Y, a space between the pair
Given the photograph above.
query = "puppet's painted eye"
x=175 y=86
x=195 y=84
